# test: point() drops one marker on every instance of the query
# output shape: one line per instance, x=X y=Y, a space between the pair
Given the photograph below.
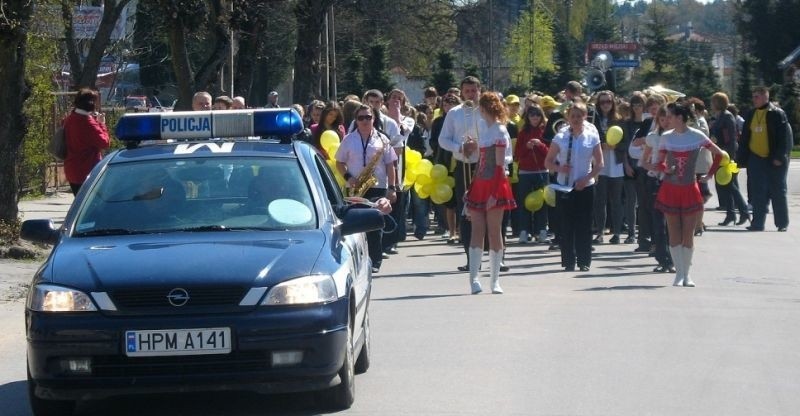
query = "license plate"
x=196 y=341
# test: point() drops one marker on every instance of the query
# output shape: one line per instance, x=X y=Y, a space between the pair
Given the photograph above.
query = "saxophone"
x=366 y=179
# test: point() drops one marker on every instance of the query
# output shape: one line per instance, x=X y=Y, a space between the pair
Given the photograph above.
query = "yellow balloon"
x=424 y=167
x=441 y=193
x=450 y=181
x=411 y=174
x=534 y=200
x=732 y=167
x=327 y=139
x=420 y=189
x=412 y=157
x=550 y=196
x=423 y=179
x=438 y=173
x=726 y=159
x=514 y=172
x=614 y=135
x=723 y=176
x=332 y=149
x=407 y=184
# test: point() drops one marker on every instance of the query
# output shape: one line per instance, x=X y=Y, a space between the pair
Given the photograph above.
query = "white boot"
x=688 y=252
x=495 y=258
x=475 y=257
x=677 y=260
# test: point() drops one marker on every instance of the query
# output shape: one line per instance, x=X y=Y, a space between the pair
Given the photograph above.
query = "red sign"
x=614 y=47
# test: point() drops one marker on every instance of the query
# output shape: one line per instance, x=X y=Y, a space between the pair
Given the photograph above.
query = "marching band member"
x=458 y=135
x=490 y=192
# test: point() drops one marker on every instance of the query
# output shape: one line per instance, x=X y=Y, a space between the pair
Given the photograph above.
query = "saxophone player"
x=459 y=135
x=366 y=160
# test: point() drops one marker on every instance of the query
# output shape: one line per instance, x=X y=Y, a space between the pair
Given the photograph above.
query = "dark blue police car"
x=224 y=262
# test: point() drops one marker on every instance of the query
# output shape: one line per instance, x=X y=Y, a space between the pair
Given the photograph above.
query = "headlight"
x=302 y=291
x=51 y=298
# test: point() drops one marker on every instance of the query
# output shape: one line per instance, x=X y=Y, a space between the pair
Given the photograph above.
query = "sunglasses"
x=364 y=118
x=601 y=102
x=534 y=113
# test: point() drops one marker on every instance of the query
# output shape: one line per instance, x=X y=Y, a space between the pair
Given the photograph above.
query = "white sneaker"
x=523 y=237
x=446 y=235
x=542 y=238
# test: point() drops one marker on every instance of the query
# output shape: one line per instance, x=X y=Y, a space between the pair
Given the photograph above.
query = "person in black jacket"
x=764 y=151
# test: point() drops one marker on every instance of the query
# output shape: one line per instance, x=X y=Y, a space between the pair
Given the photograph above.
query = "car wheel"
x=362 y=363
x=44 y=407
x=343 y=395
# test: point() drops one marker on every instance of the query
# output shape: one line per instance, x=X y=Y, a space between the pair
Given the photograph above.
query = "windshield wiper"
x=107 y=231
x=205 y=228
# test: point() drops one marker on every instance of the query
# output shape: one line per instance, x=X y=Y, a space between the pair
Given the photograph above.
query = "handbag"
x=58 y=144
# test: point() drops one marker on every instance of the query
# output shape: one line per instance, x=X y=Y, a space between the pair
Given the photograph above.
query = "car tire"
x=44 y=407
x=342 y=396
x=362 y=363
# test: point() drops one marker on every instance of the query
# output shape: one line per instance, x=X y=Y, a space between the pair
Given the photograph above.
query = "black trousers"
x=575 y=230
x=375 y=238
x=463 y=175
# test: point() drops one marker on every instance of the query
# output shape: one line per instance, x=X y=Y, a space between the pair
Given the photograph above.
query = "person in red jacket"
x=86 y=135
x=530 y=152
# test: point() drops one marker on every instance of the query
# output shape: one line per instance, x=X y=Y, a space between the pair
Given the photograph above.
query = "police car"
x=213 y=253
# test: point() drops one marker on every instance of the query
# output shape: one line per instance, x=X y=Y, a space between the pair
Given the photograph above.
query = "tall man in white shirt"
x=459 y=136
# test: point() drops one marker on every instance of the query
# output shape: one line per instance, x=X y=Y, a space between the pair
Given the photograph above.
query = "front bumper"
x=319 y=331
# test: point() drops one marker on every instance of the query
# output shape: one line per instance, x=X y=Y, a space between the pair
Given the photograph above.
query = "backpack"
x=58 y=144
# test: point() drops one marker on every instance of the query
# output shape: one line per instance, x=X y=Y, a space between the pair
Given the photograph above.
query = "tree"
x=376 y=72
x=353 y=76
x=694 y=75
x=770 y=30
x=659 y=49
x=84 y=71
x=15 y=20
x=310 y=15
x=746 y=74
x=530 y=48
x=185 y=21
x=443 y=77
x=267 y=33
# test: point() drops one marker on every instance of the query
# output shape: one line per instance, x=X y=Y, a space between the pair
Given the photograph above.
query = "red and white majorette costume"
x=679 y=193
x=490 y=188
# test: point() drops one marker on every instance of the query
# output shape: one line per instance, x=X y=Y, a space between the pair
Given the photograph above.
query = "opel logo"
x=178 y=297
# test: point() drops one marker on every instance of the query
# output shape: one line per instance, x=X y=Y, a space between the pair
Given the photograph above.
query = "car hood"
x=217 y=258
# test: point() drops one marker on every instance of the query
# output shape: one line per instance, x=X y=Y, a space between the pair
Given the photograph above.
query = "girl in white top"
x=576 y=156
x=489 y=193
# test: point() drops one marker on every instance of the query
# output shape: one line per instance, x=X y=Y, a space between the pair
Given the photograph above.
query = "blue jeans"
x=522 y=217
x=420 y=208
x=767 y=183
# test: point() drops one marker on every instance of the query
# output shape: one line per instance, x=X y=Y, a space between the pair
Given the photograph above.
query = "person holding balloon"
x=330 y=121
x=723 y=129
x=529 y=153
x=489 y=194
x=608 y=192
x=679 y=196
x=576 y=157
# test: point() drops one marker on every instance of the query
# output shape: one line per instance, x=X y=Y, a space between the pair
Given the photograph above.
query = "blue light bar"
x=209 y=124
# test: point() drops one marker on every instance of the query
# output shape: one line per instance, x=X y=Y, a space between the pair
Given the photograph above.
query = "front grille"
x=182 y=365
x=157 y=297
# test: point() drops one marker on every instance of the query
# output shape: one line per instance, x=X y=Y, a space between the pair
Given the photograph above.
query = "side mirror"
x=39 y=231
x=361 y=220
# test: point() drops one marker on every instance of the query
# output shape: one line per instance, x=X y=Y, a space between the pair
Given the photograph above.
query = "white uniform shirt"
x=580 y=156
x=351 y=153
x=460 y=122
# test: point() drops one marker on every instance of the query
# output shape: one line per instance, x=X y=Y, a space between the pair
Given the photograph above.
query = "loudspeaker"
x=594 y=79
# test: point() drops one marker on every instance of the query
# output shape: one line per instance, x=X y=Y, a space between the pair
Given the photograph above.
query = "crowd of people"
x=646 y=189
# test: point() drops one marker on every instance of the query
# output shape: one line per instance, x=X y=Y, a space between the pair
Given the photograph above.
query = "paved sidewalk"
x=54 y=206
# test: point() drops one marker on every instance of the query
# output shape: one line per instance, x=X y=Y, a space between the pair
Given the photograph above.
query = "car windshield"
x=201 y=194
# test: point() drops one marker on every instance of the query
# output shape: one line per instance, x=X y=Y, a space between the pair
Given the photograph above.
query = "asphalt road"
x=618 y=340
